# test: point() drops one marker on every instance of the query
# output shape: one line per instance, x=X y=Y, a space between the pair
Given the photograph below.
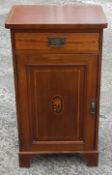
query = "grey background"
x=54 y=164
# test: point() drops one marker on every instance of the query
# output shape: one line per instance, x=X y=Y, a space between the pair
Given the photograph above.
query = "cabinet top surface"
x=55 y=16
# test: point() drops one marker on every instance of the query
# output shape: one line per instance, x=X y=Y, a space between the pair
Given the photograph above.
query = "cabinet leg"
x=92 y=158
x=24 y=160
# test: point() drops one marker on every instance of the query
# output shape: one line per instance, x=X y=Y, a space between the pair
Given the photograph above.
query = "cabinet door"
x=55 y=92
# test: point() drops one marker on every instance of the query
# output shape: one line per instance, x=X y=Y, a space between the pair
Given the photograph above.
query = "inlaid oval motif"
x=57 y=104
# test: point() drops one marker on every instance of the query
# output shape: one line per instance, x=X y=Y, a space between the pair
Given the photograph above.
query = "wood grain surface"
x=53 y=16
x=74 y=42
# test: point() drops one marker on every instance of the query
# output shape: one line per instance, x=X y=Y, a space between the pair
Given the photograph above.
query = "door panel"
x=57 y=96
x=57 y=90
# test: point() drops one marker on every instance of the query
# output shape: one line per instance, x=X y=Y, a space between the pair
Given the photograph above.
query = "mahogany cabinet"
x=57 y=65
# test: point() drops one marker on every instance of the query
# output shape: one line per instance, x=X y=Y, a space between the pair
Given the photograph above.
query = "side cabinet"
x=57 y=82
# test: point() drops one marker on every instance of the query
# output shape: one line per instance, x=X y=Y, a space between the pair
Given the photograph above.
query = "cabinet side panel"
x=22 y=131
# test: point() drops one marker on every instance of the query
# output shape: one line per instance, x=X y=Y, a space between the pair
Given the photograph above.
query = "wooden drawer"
x=66 y=42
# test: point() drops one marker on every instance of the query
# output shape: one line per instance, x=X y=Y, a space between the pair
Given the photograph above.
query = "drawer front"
x=57 y=42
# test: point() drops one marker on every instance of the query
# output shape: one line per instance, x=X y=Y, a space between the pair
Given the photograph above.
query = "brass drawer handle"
x=56 y=41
